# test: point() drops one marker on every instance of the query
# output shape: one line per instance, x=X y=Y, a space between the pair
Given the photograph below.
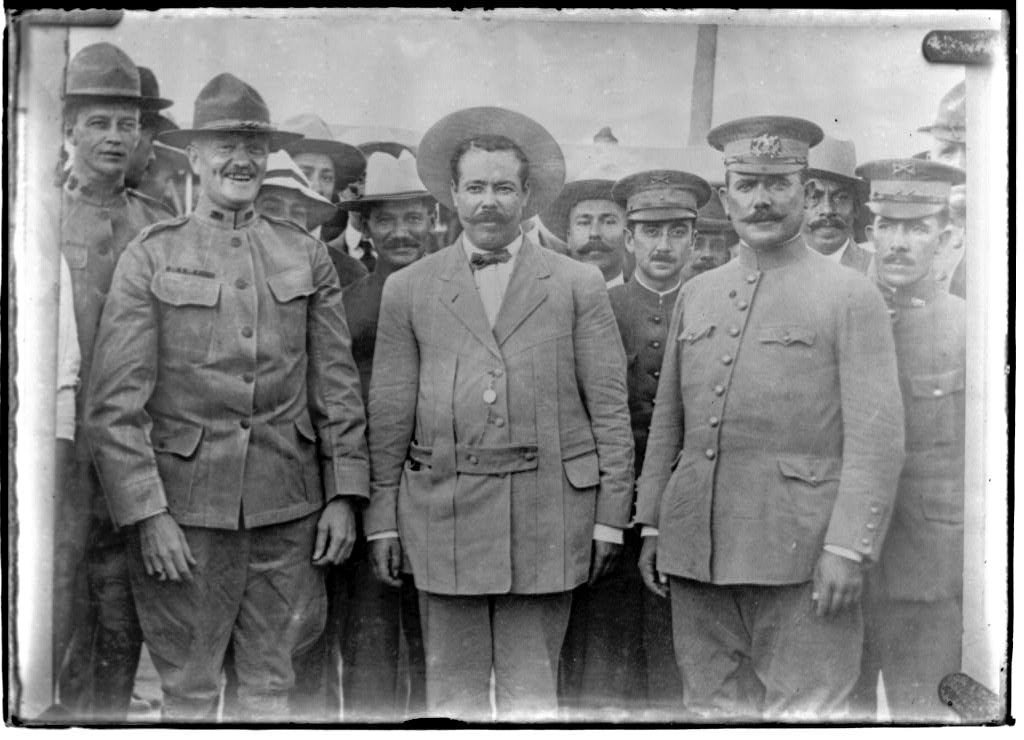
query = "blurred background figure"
x=712 y=246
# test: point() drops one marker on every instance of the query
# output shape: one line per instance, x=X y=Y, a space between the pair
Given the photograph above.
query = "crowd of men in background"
x=357 y=431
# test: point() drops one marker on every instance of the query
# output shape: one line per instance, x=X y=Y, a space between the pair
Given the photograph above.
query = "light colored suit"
x=500 y=497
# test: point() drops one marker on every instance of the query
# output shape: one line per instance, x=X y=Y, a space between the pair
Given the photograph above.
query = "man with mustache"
x=96 y=629
x=592 y=225
x=773 y=454
x=913 y=597
x=832 y=199
x=714 y=241
x=618 y=652
x=502 y=458
x=225 y=420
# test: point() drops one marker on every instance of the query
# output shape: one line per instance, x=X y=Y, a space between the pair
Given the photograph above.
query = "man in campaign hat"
x=949 y=131
x=94 y=613
x=773 y=453
x=225 y=420
x=151 y=123
x=502 y=458
x=913 y=597
x=592 y=225
x=834 y=195
x=715 y=239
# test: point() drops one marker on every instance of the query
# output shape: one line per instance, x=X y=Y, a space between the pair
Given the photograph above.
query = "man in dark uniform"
x=369 y=616
x=226 y=422
x=914 y=596
x=774 y=450
x=628 y=644
x=99 y=216
x=714 y=241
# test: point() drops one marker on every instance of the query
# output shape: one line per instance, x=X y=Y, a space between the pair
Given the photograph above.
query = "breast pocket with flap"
x=291 y=290
x=188 y=313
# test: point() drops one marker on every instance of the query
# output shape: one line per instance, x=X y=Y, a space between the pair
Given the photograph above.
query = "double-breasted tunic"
x=778 y=425
x=495 y=451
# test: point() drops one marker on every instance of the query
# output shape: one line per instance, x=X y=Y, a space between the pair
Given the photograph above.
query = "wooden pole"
x=703 y=94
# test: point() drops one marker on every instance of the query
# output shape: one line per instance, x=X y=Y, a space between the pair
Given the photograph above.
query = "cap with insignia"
x=712 y=218
x=951 y=119
x=661 y=195
x=102 y=72
x=765 y=145
x=909 y=188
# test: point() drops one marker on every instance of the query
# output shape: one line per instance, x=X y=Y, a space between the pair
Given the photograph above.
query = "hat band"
x=907 y=198
x=228 y=124
x=802 y=161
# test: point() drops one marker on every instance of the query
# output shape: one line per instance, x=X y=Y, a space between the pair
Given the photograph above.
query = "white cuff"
x=648 y=531
x=392 y=533
x=604 y=533
x=844 y=553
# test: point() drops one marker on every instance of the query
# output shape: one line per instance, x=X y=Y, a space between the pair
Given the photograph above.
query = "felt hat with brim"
x=226 y=104
x=102 y=72
x=765 y=145
x=393 y=148
x=909 y=188
x=951 y=119
x=661 y=195
x=150 y=89
x=836 y=159
x=556 y=216
x=349 y=162
x=282 y=172
x=442 y=140
x=711 y=218
x=388 y=179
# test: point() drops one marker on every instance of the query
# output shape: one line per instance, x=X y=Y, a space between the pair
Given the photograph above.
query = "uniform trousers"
x=253 y=589
x=914 y=644
x=751 y=652
x=519 y=636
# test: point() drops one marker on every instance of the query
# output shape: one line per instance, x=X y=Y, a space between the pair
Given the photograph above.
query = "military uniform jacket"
x=225 y=388
x=643 y=317
x=923 y=555
x=94 y=233
x=778 y=425
x=503 y=496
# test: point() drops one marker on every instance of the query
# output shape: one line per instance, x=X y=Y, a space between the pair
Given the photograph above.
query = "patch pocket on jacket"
x=942 y=502
x=788 y=335
x=932 y=408
x=693 y=334
x=582 y=471
x=811 y=485
x=291 y=290
x=175 y=445
x=189 y=312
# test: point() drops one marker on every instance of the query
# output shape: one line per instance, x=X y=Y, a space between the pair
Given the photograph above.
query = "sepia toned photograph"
x=383 y=368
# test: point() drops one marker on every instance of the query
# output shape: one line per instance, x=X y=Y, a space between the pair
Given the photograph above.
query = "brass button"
x=726 y=359
x=241 y=284
x=785 y=337
x=496 y=372
x=752 y=278
x=236 y=241
x=499 y=422
x=655 y=344
x=719 y=390
x=869 y=526
x=656 y=373
x=473 y=460
x=732 y=293
x=865 y=541
x=742 y=305
x=248 y=377
x=656 y=319
x=246 y=331
x=875 y=509
x=709 y=453
x=529 y=455
x=813 y=477
x=734 y=331
x=244 y=423
x=937 y=392
x=713 y=421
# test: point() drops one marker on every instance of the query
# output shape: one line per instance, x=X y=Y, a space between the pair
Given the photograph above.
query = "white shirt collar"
x=352 y=237
x=513 y=247
x=838 y=254
x=660 y=293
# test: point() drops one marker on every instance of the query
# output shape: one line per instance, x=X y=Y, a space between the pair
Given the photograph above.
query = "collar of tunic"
x=78 y=188
x=916 y=295
x=211 y=214
x=785 y=254
x=638 y=279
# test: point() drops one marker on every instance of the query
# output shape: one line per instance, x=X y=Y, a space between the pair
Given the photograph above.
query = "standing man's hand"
x=604 y=557
x=165 y=551
x=656 y=582
x=335 y=533
x=838 y=583
x=386 y=558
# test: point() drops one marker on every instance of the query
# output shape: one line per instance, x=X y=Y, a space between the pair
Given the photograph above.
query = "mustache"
x=828 y=222
x=401 y=242
x=595 y=245
x=762 y=216
x=239 y=170
x=662 y=257
x=489 y=217
x=897 y=259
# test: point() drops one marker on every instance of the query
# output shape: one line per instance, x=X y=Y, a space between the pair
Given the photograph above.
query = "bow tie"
x=480 y=260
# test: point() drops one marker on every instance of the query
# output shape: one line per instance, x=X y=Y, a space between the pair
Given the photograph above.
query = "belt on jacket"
x=483 y=460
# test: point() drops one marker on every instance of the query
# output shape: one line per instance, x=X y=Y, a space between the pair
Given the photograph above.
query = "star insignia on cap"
x=903 y=168
x=766 y=145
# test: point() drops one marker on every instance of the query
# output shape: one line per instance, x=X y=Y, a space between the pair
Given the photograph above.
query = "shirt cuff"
x=648 y=531
x=393 y=533
x=844 y=553
x=604 y=533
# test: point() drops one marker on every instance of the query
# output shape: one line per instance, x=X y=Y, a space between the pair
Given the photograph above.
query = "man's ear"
x=723 y=192
x=455 y=189
x=628 y=240
x=869 y=233
x=944 y=236
x=526 y=193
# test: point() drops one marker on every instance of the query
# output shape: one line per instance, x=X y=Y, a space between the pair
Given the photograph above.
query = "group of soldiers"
x=324 y=469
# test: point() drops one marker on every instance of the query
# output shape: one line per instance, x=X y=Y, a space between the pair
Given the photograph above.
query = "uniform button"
x=246 y=331
x=752 y=278
x=499 y=422
x=497 y=372
x=869 y=526
x=785 y=337
x=473 y=460
x=530 y=455
x=713 y=421
x=236 y=241
x=732 y=293
x=655 y=344
x=709 y=453
x=241 y=284
x=813 y=478
x=656 y=373
x=656 y=319
x=248 y=377
x=161 y=445
x=726 y=359
x=742 y=305
x=875 y=510
x=719 y=390
x=244 y=423
x=734 y=331
x=865 y=541
x=937 y=392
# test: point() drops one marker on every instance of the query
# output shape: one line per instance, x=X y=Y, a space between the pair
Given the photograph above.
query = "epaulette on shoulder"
x=171 y=223
x=150 y=201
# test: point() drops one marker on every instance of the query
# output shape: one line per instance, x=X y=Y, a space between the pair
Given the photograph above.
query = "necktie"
x=479 y=260
x=367 y=257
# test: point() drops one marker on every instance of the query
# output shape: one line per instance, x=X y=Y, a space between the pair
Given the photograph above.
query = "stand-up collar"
x=212 y=214
x=767 y=259
x=916 y=295
x=77 y=187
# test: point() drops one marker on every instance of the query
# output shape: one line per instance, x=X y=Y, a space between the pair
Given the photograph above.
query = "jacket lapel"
x=525 y=290
x=459 y=295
